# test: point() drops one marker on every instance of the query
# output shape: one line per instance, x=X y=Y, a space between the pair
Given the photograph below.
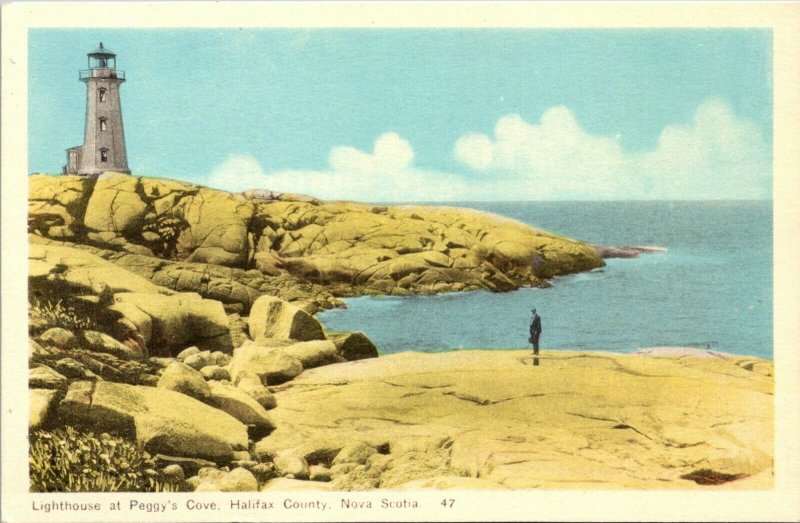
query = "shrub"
x=66 y=460
x=45 y=314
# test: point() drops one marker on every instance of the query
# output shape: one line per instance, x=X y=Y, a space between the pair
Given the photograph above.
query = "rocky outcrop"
x=170 y=323
x=274 y=318
x=351 y=248
x=577 y=420
x=162 y=421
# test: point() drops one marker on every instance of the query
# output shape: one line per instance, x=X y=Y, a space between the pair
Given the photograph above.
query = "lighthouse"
x=103 y=146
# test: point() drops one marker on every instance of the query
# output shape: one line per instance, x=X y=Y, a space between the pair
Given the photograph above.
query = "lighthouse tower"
x=103 y=146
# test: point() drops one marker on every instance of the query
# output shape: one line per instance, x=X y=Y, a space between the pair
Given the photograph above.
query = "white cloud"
x=236 y=172
x=385 y=174
x=715 y=156
x=718 y=155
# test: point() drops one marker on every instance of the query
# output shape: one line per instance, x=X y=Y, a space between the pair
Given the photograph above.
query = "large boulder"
x=241 y=406
x=184 y=379
x=43 y=377
x=270 y=364
x=314 y=353
x=170 y=323
x=353 y=345
x=163 y=421
x=272 y=317
x=41 y=407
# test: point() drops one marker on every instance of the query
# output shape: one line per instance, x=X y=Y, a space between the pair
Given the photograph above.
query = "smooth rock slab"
x=163 y=421
x=577 y=420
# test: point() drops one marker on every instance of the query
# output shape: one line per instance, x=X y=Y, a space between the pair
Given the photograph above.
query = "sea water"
x=712 y=288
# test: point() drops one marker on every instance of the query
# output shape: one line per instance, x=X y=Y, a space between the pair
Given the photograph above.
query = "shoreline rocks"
x=346 y=247
x=626 y=251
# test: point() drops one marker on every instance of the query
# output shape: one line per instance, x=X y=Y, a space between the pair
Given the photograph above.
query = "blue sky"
x=405 y=115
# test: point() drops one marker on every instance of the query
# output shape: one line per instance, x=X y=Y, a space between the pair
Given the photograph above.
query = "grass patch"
x=66 y=460
x=45 y=314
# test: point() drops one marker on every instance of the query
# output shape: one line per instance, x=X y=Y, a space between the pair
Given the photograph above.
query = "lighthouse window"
x=103 y=124
x=102 y=94
x=103 y=155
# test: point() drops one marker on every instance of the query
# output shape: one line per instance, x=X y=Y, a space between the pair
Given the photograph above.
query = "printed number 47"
x=447 y=503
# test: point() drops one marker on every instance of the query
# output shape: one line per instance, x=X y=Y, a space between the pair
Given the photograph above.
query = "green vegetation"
x=44 y=314
x=65 y=460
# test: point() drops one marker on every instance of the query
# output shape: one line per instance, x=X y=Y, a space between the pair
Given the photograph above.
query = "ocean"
x=712 y=288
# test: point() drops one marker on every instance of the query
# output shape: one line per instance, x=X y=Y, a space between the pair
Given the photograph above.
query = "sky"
x=426 y=114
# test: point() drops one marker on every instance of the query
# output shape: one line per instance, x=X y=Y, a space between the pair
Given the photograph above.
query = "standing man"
x=536 y=331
